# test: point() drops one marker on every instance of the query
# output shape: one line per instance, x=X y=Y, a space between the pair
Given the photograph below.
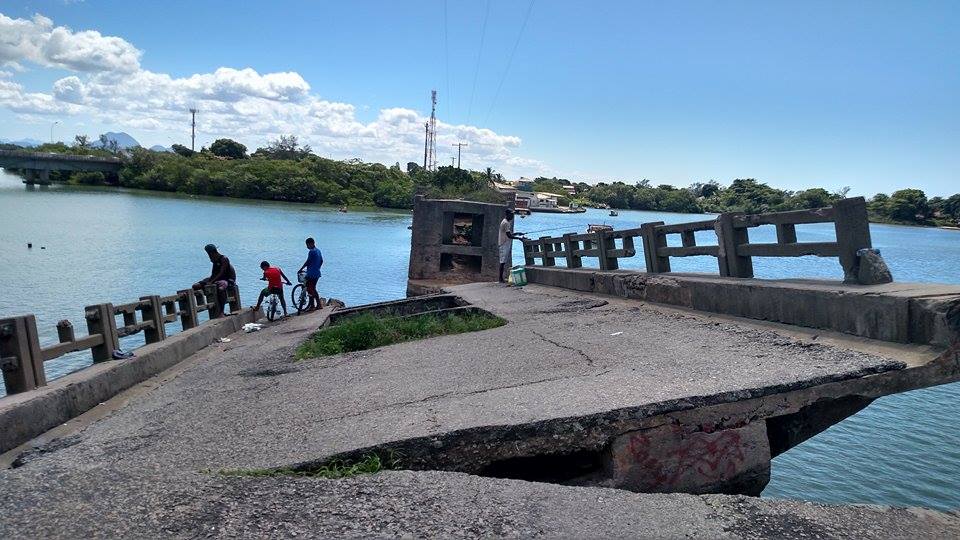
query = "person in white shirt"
x=505 y=242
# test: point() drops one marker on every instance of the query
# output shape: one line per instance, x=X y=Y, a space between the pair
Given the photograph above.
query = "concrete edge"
x=26 y=415
x=906 y=313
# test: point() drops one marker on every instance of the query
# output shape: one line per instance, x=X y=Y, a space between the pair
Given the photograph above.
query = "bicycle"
x=298 y=296
x=273 y=307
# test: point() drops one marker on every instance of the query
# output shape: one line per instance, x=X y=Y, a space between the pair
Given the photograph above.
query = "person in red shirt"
x=275 y=278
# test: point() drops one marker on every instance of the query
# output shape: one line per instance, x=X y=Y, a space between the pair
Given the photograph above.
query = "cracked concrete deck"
x=146 y=468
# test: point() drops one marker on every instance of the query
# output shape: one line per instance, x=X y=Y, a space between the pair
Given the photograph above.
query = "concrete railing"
x=22 y=358
x=25 y=154
x=733 y=250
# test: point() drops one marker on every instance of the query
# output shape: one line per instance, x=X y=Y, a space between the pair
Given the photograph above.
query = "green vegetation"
x=906 y=206
x=367 y=332
x=285 y=170
x=368 y=464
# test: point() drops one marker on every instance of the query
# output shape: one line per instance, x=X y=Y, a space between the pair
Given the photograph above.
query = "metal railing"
x=733 y=250
x=23 y=154
x=22 y=357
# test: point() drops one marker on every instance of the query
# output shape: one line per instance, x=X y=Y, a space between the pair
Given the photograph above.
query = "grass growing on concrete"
x=367 y=332
x=368 y=464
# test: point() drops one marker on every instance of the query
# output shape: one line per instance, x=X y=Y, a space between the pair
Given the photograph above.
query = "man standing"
x=222 y=275
x=312 y=265
x=505 y=242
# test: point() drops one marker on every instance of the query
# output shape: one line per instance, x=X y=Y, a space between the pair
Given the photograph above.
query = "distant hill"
x=26 y=143
x=123 y=140
x=160 y=148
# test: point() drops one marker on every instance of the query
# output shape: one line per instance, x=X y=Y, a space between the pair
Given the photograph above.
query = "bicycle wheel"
x=273 y=308
x=298 y=297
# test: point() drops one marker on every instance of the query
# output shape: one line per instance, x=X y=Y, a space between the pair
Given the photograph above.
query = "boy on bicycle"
x=275 y=278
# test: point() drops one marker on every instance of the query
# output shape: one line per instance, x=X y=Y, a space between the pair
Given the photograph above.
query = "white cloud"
x=37 y=41
x=238 y=103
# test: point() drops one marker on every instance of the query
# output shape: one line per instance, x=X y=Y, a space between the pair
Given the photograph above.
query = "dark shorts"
x=311 y=284
x=267 y=291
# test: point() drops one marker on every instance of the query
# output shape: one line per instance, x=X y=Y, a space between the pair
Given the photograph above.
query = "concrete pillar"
x=65 y=332
x=187 y=303
x=546 y=246
x=528 y=252
x=100 y=320
x=605 y=244
x=211 y=297
x=692 y=459
x=20 y=356
x=44 y=177
x=651 y=241
x=728 y=238
x=153 y=312
x=234 y=296
x=569 y=246
x=853 y=234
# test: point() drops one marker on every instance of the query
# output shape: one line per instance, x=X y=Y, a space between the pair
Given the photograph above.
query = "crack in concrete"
x=443 y=395
x=582 y=354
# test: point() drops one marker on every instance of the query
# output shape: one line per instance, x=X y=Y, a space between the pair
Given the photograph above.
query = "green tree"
x=182 y=150
x=228 y=148
x=908 y=205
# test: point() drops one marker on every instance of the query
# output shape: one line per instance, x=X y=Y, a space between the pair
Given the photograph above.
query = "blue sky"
x=797 y=94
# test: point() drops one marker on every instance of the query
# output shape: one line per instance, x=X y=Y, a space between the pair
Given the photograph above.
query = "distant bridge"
x=39 y=164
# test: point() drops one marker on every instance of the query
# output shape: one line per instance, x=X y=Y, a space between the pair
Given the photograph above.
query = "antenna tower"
x=193 y=129
x=431 y=142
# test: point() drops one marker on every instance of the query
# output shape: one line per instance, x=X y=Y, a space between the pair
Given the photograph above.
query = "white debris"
x=252 y=327
x=616 y=333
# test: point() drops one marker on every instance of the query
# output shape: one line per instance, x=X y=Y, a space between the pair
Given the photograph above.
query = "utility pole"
x=459 y=145
x=193 y=130
x=432 y=134
x=453 y=161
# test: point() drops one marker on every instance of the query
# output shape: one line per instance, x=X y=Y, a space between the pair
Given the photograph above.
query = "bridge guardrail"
x=56 y=156
x=733 y=250
x=22 y=357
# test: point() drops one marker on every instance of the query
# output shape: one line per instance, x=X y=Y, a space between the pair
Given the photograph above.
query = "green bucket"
x=518 y=276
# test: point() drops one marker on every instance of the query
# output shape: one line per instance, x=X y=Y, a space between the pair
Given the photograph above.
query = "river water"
x=93 y=245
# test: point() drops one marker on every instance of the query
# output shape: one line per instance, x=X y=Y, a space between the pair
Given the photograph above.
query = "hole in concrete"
x=552 y=468
x=270 y=372
x=462 y=229
x=470 y=264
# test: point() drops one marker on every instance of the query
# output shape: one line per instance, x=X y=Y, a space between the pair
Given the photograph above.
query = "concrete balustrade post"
x=100 y=320
x=187 y=303
x=605 y=244
x=528 y=252
x=853 y=234
x=210 y=294
x=234 y=295
x=570 y=246
x=20 y=358
x=728 y=238
x=545 y=247
x=651 y=241
x=152 y=311
x=65 y=332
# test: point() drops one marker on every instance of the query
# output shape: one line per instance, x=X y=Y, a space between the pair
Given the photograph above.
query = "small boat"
x=343 y=209
x=614 y=213
x=597 y=228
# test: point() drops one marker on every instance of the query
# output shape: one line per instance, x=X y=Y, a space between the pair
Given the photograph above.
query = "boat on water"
x=592 y=228
x=614 y=213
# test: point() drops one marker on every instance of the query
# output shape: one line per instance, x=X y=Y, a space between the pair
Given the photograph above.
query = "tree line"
x=285 y=170
x=905 y=206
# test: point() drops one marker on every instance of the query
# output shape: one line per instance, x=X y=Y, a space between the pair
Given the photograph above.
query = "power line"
x=516 y=44
x=476 y=71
